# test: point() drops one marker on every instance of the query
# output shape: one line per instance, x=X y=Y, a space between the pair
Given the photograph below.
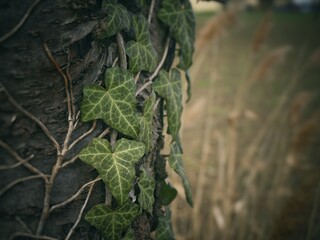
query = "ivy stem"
x=73 y=197
x=151 y=11
x=20 y=24
x=81 y=212
x=156 y=72
x=31 y=116
x=122 y=51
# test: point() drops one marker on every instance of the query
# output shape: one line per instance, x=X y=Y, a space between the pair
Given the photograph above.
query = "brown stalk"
x=21 y=22
x=262 y=32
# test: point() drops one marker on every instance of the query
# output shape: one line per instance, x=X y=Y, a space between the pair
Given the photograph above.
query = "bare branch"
x=65 y=78
x=80 y=214
x=23 y=224
x=72 y=198
x=151 y=11
x=16 y=164
x=94 y=124
x=32 y=236
x=122 y=51
x=20 y=24
x=105 y=132
x=72 y=160
x=22 y=161
x=17 y=181
x=31 y=116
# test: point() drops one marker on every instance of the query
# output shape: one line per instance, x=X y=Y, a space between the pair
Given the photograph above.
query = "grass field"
x=251 y=131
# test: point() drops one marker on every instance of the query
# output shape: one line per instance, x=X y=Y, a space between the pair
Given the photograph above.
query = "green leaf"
x=164 y=229
x=112 y=222
x=115 y=105
x=116 y=168
x=167 y=193
x=175 y=161
x=178 y=15
x=170 y=89
x=142 y=55
x=146 y=185
x=146 y=122
x=129 y=235
x=118 y=18
x=140 y=3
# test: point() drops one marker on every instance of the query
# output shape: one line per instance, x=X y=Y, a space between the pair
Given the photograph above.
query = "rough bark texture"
x=35 y=84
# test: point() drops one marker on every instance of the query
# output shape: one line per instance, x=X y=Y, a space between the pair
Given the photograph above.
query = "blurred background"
x=251 y=132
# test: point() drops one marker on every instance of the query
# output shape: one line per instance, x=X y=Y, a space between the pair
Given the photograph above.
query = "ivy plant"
x=122 y=159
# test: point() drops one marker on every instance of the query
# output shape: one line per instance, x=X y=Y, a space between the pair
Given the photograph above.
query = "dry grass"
x=244 y=151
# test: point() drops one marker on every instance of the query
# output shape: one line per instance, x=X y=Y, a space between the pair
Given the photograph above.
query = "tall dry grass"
x=240 y=189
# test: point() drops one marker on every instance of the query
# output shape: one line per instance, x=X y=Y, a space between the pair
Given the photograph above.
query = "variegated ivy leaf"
x=118 y=18
x=169 y=87
x=178 y=15
x=146 y=122
x=146 y=196
x=140 y=3
x=164 y=229
x=129 y=235
x=175 y=161
x=115 y=167
x=112 y=222
x=115 y=105
x=142 y=55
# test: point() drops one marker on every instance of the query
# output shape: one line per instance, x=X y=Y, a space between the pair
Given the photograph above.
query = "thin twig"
x=136 y=78
x=113 y=139
x=20 y=24
x=77 y=119
x=115 y=61
x=17 y=181
x=73 y=110
x=55 y=170
x=156 y=72
x=66 y=81
x=151 y=11
x=122 y=51
x=80 y=214
x=32 y=236
x=104 y=133
x=72 y=160
x=16 y=164
x=94 y=124
x=23 y=224
x=31 y=116
x=22 y=161
x=73 y=197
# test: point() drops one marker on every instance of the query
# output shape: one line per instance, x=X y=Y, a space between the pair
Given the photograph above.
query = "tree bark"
x=32 y=84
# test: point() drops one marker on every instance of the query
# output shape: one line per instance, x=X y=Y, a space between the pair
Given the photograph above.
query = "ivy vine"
x=115 y=103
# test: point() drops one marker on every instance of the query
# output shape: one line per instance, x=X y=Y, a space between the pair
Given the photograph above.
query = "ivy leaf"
x=170 y=89
x=116 y=168
x=140 y=3
x=112 y=222
x=118 y=18
x=175 y=161
x=129 y=235
x=178 y=15
x=164 y=229
x=146 y=122
x=146 y=185
x=167 y=193
x=116 y=105
x=142 y=55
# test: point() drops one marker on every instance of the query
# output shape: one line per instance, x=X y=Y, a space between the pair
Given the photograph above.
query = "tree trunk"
x=53 y=50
